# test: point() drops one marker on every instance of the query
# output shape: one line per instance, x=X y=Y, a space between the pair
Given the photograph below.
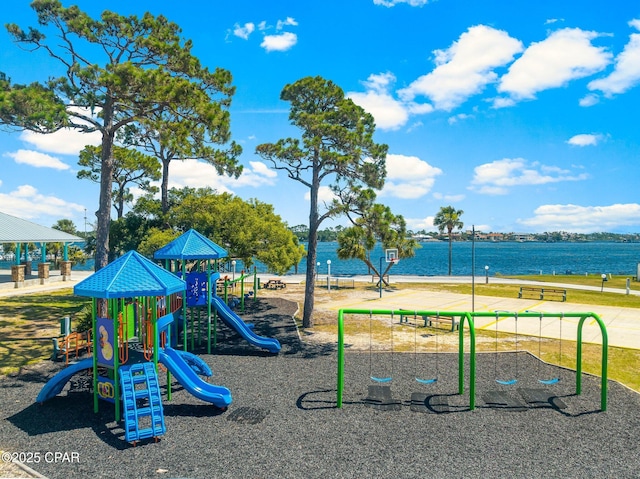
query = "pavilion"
x=20 y=232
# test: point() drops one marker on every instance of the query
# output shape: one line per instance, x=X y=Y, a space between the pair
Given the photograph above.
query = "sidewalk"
x=32 y=283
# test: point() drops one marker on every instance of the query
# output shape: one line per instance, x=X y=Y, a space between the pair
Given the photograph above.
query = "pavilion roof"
x=17 y=230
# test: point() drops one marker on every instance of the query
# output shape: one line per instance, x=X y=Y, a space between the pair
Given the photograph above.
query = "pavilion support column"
x=43 y=272
x=17 y=275
x=65 y=270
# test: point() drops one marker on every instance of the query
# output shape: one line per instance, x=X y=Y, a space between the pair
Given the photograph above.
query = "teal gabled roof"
x=191 y=245
x=128 y=276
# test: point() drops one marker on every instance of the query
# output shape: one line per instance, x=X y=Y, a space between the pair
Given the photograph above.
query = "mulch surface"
x=283 y=421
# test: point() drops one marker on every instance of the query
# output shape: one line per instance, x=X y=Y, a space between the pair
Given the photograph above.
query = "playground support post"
x=603 y=371
x=472 y=359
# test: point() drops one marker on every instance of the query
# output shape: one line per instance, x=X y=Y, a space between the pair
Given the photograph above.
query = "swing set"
x=469 y=318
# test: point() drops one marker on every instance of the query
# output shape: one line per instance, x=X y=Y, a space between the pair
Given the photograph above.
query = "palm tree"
x=448 y=217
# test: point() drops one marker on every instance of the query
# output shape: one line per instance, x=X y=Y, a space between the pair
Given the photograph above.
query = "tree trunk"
x=120 y=207
x=312 y=252
x=310 y=285
x=164 y=188
x=450 y=256
x=103 y=215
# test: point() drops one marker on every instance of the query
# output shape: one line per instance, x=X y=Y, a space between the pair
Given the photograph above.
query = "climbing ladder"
x=143 y=413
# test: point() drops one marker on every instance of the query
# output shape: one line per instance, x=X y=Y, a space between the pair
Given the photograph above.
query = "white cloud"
x=584 y=140
x=393 y=3
x=197 y=174
x=63 y=142
x=37 y=159
x=388 y=112
x=279 y=43
x=449 y=198
x=418 y=224
x=408 y=177
x=283 y=23
x=465 y=68
x=459 y=117
x=626 y=73
x=31 y=204
x=260 y=168
x=502 y=102
x=583 y=219
x=497 y=177
x=563 y=56
x=589 y=100
x=244 y=31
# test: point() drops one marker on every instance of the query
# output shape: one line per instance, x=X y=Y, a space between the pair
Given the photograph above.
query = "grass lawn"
x=28 y=322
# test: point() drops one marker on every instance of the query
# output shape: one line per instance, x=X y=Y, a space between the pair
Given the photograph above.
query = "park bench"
x=554 y=294
x=430 y=320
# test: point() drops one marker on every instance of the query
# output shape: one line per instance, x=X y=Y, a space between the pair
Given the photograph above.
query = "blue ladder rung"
x=381 y=380
x=549 y=381
x=427 y=381
x=141 y=393
x=507 y=382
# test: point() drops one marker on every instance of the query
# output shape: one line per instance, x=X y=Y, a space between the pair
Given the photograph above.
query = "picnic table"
x=274 y=284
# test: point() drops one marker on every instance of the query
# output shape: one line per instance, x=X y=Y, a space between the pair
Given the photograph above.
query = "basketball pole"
x=473 y=268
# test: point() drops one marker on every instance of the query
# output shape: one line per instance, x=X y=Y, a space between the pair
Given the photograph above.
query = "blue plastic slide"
x=234 y=321
x=55 y=385
x=217 y=395
x=196 y=363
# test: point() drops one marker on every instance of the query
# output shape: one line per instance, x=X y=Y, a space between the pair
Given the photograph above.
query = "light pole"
x=233 y=275
x=380 y=274
x=486 y=275
x=317 y=268
x=604 y=278
x=329 y=275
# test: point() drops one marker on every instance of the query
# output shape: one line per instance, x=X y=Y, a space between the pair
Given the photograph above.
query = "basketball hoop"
x=391 y=255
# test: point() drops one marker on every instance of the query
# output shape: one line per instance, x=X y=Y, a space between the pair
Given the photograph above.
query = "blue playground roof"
x=191 y=245
x=130 y=275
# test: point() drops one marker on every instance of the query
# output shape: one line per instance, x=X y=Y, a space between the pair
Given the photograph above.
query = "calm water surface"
x=502 y=258
x=505 y=258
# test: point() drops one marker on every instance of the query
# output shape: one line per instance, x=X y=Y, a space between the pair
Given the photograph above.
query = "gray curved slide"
x=234 y=321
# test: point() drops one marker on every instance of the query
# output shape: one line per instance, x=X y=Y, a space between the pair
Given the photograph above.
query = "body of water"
x=504 y=258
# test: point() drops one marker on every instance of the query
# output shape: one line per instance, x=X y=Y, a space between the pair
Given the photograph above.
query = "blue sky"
x=521 y=114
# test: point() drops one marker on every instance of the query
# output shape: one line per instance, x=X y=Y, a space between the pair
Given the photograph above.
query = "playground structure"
x=468 y=318
x=139 y=310
x=135 y=304
x=195 y=258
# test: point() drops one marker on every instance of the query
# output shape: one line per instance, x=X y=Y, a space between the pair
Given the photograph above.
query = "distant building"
x=523 y=237
x=422 y=238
